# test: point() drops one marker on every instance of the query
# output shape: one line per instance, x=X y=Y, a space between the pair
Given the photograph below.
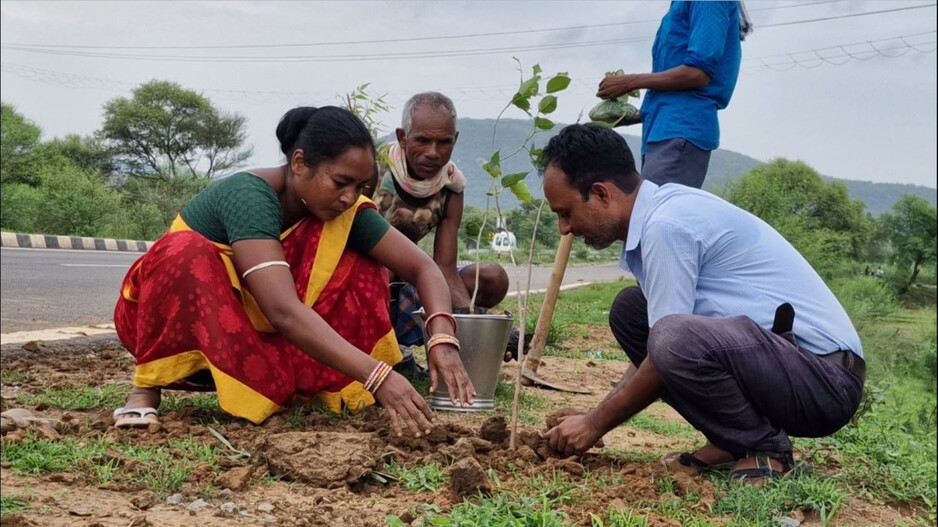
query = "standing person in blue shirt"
x=742 y=336
x=695 y=64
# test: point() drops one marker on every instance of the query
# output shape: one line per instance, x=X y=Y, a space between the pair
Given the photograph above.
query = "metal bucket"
x=482 y=339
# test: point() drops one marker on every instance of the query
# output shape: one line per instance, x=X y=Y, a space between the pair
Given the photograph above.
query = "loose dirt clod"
x=324 y=459
x=235 y=479
x=467 y=478
x=494 y=429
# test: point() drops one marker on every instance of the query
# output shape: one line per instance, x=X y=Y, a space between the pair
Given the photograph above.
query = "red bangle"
x=445 y=315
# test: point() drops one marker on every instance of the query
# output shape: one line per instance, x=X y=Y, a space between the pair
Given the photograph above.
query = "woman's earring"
x=303 y=201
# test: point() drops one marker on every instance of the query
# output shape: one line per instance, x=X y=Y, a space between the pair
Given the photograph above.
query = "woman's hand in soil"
x=404 y=404
x=574 y=435
x=445 y=363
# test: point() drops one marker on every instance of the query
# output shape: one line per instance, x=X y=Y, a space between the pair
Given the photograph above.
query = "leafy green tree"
x=85 y=152
x=18 y=139
x=164 y=131
x=818 y=218
x=521 y=222
x=913 y=233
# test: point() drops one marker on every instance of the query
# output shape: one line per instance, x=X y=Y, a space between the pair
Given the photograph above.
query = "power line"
x=836 y=55
x=841 y=56
x=386 y=41
x=399 y=55
x=849 y=15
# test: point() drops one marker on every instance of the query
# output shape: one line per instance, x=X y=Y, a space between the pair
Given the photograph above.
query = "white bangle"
x=260 y=266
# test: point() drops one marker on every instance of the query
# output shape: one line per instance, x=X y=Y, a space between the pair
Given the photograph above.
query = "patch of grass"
x=421 y=478
x=502 y=510
x=558 y=488
x=778 y=497
x=10 y=503
x=889 y=454
x=162 y=469
x=42 y=456
x=528 y=403
x=11 y=376
x=80 y=397
x=618 y=518
x=584 y=306
x=663 y=428
x=682 y=511
x=173 y=402
x=631 y=456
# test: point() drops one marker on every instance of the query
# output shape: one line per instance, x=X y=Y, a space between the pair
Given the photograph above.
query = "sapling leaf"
x=558 y=83
x=493 y=166
x=530 y=86
x=543 y=124
x=548 y=104
x=511 y=179
x=520 y=190
x=521 y=102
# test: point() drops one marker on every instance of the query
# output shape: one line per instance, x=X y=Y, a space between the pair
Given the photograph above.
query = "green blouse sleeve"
x=367 y=230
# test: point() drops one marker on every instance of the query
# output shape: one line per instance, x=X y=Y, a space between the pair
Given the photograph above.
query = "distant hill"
x=475 y=147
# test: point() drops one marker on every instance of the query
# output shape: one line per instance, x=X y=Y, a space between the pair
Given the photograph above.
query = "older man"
x=729 y=324
x=420 y=190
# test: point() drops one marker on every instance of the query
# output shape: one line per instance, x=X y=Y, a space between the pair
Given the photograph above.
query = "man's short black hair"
x=589 y=153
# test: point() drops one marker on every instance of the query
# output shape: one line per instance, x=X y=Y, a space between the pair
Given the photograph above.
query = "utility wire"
x=386 y=41
x=836 y=55
x=400 y=55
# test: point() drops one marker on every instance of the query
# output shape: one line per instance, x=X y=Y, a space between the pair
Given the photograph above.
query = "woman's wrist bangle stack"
x=442 y=338
x=447 y=316
x=377 y=377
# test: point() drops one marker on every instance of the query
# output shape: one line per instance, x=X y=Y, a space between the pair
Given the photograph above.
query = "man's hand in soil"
x=445 y=363
x=574 y=435
x=403 y=403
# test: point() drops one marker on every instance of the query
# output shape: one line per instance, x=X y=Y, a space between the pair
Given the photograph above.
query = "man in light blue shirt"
x=695 y=65
x=745 y=340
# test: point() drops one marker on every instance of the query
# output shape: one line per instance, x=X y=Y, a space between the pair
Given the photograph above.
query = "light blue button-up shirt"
x=693 y=253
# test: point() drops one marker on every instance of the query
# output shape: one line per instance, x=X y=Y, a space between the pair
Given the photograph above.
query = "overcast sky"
x=867 y=112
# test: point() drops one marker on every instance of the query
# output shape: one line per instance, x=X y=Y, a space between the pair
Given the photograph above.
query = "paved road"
x=42 y=289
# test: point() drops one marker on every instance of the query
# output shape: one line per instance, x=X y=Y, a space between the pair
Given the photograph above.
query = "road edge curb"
x=47 y=241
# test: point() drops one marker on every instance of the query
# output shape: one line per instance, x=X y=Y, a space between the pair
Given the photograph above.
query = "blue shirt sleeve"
x=709 y=24
x=671 y=254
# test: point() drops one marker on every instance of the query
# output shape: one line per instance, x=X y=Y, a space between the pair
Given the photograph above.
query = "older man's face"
x=429 y=145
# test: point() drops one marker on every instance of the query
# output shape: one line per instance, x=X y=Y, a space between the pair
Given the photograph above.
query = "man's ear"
x=602 y=192
x=456 y=137
x=401 y=136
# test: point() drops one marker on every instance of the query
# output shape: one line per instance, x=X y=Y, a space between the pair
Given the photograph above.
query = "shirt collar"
x=637 y=221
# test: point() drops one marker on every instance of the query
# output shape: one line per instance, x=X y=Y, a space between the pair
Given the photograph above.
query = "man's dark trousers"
x=744 y=387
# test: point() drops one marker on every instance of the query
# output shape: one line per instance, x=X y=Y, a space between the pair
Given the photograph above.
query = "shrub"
x=866 y=298
x=19 y=207
x=75 y=202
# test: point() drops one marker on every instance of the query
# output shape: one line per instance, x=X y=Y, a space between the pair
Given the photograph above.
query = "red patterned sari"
x=183 y=310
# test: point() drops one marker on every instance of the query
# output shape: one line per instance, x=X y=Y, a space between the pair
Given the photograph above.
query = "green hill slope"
x=475 y=147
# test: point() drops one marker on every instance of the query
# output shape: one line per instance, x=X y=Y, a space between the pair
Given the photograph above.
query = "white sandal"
x=141 y=421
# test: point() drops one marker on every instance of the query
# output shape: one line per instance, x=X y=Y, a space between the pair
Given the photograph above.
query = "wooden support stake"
x=533 y=360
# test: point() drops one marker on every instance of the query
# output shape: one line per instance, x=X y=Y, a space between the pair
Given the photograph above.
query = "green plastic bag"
x=614 y=112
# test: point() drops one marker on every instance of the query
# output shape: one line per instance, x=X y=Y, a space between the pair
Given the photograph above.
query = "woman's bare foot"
x=145 y=401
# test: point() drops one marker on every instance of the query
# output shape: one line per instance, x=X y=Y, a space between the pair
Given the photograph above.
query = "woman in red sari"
x=272 y=283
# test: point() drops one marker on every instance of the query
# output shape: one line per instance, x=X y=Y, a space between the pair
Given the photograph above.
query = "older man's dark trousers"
x=744 y=387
